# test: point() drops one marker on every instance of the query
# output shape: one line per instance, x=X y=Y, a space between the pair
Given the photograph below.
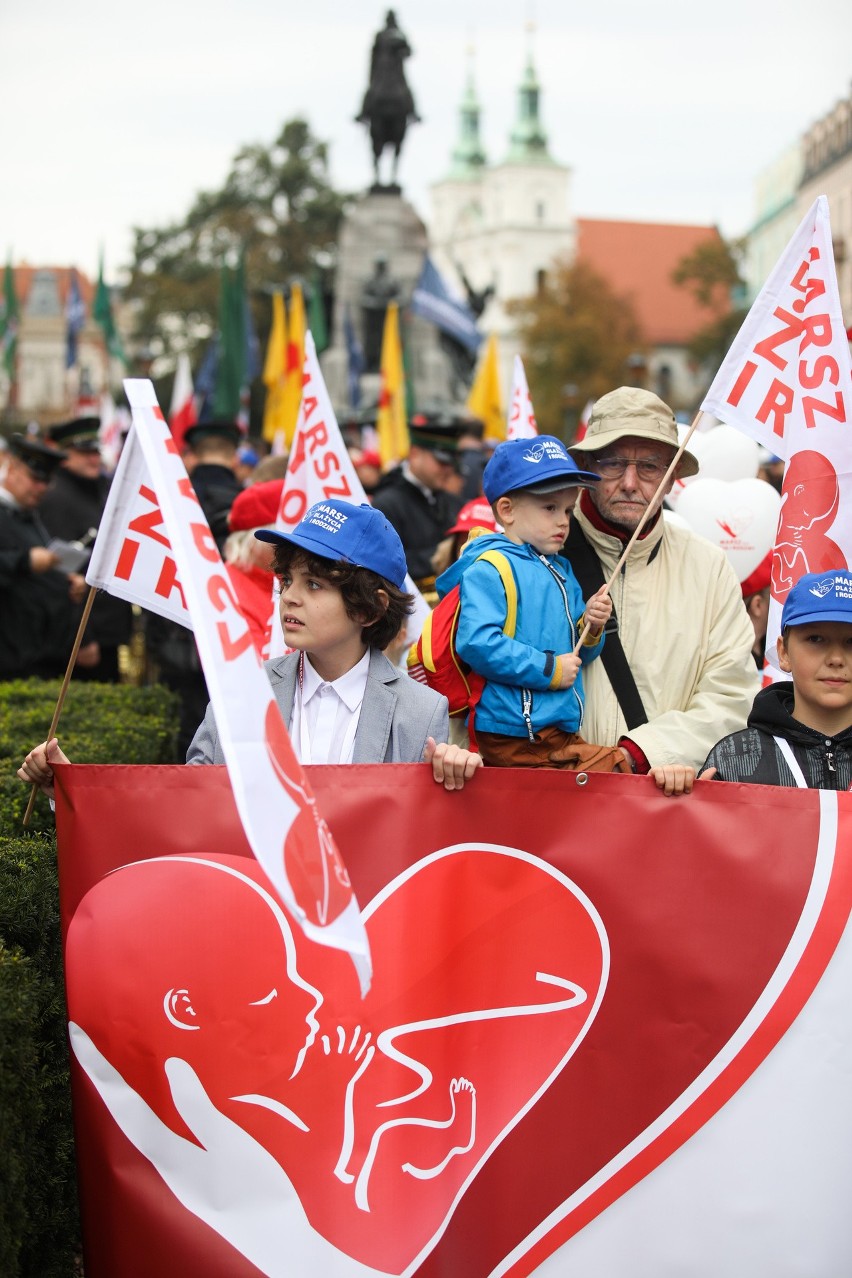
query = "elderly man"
x=39 y=603
x=678 y=671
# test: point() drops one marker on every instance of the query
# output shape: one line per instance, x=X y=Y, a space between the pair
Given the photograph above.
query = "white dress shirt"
x=325 y=715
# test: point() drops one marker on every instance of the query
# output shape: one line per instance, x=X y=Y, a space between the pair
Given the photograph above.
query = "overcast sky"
x=666 y=110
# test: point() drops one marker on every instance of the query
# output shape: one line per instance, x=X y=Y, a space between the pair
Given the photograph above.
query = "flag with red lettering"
x=522 y=423
x=320 y=468
x=279 y=814
x=608 y=1032
x=787 y=382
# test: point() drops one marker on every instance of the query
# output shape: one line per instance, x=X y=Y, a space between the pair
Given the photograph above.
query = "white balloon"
x=723 y=453
x=741 y=517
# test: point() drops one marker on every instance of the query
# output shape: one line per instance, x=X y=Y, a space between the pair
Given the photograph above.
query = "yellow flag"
x=275 y=372
x=295 y=361
x=485 y=401
x=391 y=425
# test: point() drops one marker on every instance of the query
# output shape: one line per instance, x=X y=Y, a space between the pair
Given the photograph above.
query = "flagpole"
x=60 y=701
x=646 y=515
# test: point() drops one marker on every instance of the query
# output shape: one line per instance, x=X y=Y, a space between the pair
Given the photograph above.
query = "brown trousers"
x=552 y=748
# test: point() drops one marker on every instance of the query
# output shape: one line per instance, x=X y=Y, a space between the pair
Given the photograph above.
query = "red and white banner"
x=787 y=382
x=287 y=835
x=590 y=1047
x=182 y=412
x=320 y=468
x=522 y=423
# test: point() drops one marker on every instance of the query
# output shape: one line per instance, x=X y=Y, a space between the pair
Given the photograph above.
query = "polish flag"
x=182 y=412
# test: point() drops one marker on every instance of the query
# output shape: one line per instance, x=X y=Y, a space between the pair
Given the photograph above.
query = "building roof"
x=24 y=276
x=637 y=259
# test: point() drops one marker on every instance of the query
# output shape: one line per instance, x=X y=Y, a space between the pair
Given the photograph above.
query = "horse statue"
x=388 y=105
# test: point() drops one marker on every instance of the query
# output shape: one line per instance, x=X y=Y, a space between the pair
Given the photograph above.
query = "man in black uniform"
x=71 y=510
x=418 y=498
x=40 y=605
x=211 y=462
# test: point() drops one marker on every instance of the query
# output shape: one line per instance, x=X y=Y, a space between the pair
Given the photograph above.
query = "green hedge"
x=101 y=723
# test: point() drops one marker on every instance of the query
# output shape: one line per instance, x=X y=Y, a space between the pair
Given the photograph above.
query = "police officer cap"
x=39 y=458
x=80 y=433
x=226 y=430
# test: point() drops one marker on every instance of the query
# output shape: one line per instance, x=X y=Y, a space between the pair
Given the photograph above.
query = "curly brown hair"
x=359 y=588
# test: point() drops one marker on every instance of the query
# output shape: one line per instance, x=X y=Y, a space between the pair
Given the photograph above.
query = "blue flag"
x=433 y=300
x=205 y=381
x=356 y=360
x=75 y=318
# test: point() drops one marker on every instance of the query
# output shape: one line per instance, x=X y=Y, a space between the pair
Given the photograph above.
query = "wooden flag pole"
x=60 y=701
x=646 y=515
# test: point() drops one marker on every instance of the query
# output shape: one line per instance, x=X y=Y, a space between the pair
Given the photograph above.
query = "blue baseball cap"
x=819 y=596
x=539 y=465
x=358 y=535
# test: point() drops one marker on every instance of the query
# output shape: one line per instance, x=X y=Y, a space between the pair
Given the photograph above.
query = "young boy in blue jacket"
x=531 y=709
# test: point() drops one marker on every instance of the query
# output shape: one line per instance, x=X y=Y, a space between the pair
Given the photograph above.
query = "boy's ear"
x=382 y=605
x=783 y=658
x=502 y=508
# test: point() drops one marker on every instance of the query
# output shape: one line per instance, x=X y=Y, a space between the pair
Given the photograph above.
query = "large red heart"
x=698 y=925
x=379 y=1111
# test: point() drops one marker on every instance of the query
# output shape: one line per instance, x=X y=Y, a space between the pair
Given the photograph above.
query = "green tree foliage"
x=577 y=335
x=276 y=204
x=711 y=273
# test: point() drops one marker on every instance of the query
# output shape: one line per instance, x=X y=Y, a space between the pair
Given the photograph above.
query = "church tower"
x=502 y=225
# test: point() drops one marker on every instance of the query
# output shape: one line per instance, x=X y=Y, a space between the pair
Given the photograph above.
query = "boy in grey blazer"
x=342 y=574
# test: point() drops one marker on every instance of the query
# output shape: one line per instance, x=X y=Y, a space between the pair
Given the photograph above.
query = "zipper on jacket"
x=829 y=757
x=526 y=711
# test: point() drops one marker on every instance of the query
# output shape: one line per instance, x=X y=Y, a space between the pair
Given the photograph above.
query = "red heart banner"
x=572 y=983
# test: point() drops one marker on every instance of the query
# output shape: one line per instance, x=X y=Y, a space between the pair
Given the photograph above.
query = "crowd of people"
x=590 y=658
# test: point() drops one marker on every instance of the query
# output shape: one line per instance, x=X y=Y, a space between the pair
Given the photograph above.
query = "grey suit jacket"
x=397 y=714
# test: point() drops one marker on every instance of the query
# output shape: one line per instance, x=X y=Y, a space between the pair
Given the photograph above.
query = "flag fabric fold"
x=433 y=301
x=75 y=318
x=355 y=361
x=182 y=413
x=103 y=315
x=10 y=323
x=522 y=423
x=485 y=400
x=391 y=425
x=296 y=329
x=275 y=372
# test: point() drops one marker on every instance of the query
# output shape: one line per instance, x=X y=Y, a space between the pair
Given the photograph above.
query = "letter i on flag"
x=786 y=382
x=485 y=400
x=391 y=424
x=285 y=831
x=522 y=423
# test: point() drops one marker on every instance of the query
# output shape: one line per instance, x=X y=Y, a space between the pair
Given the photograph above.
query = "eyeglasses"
x=646 y=467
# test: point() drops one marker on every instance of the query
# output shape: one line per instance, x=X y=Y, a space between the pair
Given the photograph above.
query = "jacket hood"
x=772 y=712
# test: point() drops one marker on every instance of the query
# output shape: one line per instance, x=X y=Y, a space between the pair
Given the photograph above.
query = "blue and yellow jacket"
x=521 y=670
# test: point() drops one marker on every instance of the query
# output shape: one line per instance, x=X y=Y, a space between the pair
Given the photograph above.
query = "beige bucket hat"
x=635 y=412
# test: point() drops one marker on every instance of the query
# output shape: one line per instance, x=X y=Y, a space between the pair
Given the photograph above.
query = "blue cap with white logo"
x=538 y=465
x=358 y=535
x=819 y=596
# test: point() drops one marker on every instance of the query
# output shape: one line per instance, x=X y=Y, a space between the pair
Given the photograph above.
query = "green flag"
x=102 y=312
x=231 y=371
x=9 y=319
x=316 y=315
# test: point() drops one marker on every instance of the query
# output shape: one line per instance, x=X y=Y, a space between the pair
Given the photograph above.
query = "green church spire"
x=469 y=154
x=528 y=140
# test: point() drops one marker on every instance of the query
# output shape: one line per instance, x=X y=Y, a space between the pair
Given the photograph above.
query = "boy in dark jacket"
x=800 y=733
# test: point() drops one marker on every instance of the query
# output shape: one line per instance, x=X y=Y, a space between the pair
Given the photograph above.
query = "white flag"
x=275 y=803
x=787 y=382
x=320 y=468
x=522 y=423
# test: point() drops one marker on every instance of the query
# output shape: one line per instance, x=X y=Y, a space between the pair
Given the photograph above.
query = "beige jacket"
x=688 y=639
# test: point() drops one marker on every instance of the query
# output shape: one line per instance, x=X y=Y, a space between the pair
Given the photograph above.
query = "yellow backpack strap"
x=499 y=561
